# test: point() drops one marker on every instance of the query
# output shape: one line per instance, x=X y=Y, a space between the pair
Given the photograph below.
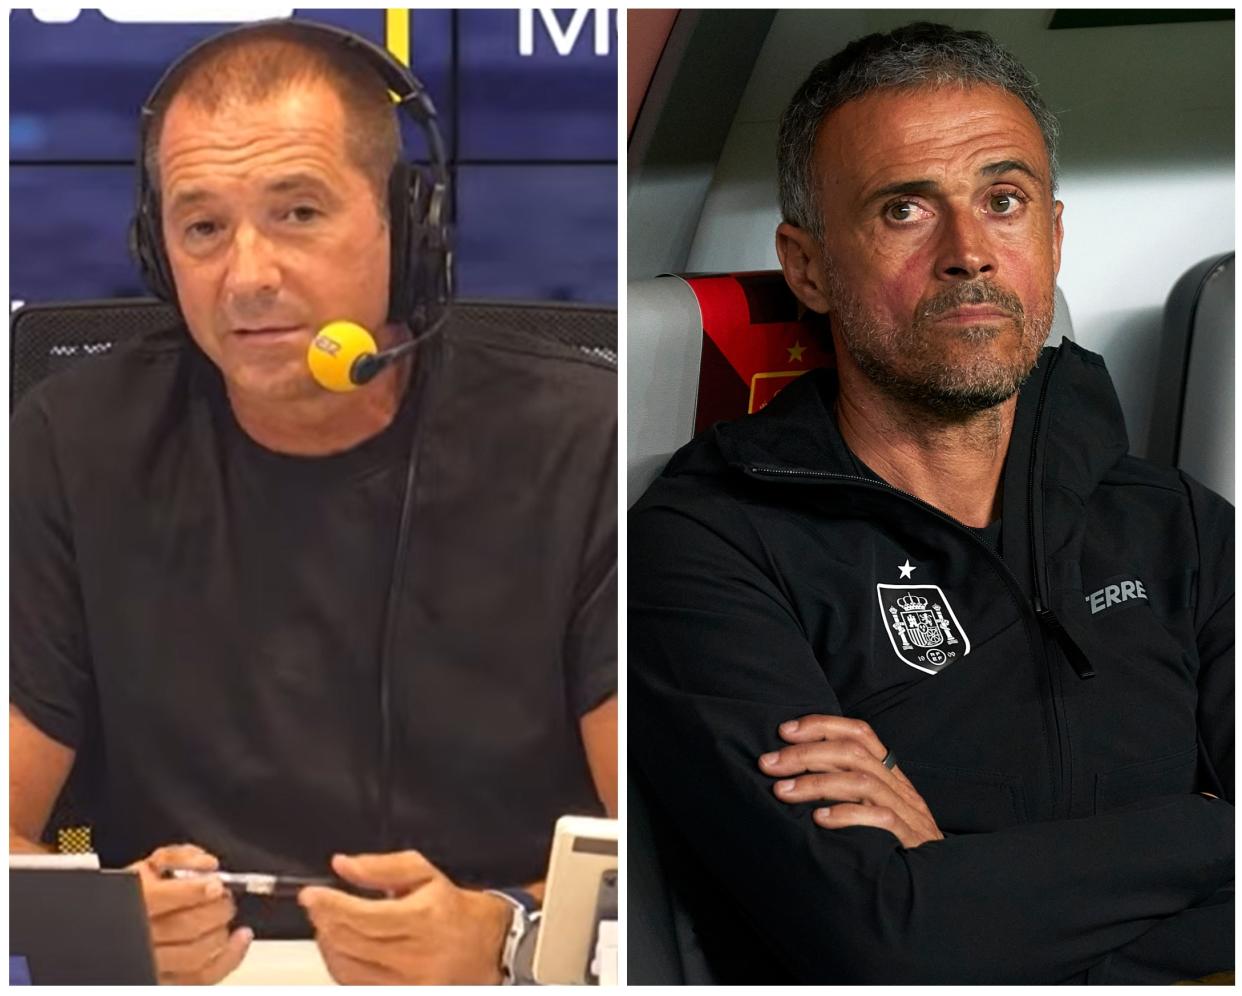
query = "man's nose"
x=252 y=268
x=965 y=251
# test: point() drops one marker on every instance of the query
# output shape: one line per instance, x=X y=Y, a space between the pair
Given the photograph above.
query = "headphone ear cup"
x=419 y=273
x=403 y=258
x=439 y=248
x=147 y=249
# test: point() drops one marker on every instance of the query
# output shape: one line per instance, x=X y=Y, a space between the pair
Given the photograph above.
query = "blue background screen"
x=528 y=113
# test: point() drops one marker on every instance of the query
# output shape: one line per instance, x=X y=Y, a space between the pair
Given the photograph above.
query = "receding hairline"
x=284 y=177
x=217 y=79
x=187 y=103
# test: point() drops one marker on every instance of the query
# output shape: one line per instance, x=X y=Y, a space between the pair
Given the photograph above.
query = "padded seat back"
x=1193 y=428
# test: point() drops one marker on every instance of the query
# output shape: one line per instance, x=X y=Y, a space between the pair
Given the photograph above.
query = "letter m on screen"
x=563 y=38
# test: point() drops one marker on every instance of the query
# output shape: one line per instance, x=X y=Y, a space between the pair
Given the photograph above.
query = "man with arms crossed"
x=203 y=539
x=889 y=730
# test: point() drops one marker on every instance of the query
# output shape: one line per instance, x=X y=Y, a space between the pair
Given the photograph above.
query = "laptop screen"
x=19 y=971
x=78 y=927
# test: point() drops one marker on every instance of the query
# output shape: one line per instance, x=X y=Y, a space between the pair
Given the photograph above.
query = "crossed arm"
x=718 y=664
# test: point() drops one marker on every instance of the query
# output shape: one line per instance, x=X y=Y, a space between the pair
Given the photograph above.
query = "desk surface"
x=281 y=963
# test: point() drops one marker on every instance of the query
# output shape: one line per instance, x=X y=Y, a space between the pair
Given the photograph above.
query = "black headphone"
x=421 y=281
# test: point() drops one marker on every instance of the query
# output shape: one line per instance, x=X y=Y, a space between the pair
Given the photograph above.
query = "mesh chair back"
x=591 y=328
x=47 y=338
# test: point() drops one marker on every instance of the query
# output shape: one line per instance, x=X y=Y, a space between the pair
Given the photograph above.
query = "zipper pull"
x=1078 y=660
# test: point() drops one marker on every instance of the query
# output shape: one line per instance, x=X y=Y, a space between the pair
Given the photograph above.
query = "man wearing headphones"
x=366 y=635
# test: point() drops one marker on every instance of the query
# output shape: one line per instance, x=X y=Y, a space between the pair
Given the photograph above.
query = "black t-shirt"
x=989 y=535
x=201 y=617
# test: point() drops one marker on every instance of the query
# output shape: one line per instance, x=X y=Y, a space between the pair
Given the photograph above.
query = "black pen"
x=263 y=884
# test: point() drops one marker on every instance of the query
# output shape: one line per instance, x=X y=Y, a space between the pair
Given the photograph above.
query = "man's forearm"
x=1033 y=903
x=1038 y=903
x=19 y=844
x=1194 y=944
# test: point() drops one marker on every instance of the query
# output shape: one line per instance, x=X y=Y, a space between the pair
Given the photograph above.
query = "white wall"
x=1146 y=163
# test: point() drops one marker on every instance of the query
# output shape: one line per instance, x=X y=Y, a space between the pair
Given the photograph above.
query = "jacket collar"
x=1067 y=407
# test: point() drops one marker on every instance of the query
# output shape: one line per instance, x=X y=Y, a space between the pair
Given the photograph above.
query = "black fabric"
x=988 y=535
x=201 y=617
x=1070 y=806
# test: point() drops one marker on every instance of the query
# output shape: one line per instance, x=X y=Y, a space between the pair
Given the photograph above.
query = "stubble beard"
x=909 y=362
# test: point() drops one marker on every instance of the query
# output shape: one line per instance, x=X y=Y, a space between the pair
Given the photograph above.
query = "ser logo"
x=326 y=344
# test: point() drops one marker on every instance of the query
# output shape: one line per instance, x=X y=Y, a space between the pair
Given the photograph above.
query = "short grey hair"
x=913 y=56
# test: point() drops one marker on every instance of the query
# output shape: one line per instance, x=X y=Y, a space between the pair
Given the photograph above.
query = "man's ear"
x=803 y=264
x=1058 y=233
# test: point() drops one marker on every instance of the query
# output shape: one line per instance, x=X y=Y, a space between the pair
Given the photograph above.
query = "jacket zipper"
x=1043 y=619
x=1047 y=618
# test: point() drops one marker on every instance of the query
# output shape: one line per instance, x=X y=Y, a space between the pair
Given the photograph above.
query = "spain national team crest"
x=921 y=626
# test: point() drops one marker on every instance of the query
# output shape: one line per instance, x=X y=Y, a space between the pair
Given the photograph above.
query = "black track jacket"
x=1059 y=707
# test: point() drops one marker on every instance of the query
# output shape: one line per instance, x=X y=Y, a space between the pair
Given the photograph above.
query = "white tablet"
x=581 y=891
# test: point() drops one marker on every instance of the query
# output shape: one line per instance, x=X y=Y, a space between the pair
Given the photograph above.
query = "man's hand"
x=430 y=932
x=189 y=918
x=838 y=760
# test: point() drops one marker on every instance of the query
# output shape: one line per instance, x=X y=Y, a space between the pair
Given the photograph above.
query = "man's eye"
x=303 y=213
x=901 y=211
x=1007 y=203
x=201 y=229
x=905 y=212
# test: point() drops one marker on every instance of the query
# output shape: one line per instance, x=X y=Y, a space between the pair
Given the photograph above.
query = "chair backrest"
x=1193 y=428
x=588 y=327
x=46 y=338
x=705 y=347
x=652 y=953
x=757 y=339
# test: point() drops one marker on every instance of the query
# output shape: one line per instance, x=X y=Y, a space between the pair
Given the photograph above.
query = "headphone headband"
x=421 y=261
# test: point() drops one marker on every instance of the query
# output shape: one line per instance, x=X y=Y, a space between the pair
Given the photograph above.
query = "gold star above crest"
x=795 y=352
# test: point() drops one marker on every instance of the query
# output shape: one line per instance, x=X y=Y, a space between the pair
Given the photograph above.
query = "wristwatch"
x=518 y=955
